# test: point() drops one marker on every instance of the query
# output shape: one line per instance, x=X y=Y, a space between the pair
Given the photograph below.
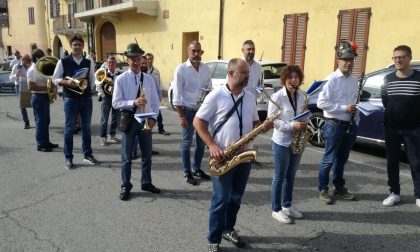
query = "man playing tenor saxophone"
x=228 y=188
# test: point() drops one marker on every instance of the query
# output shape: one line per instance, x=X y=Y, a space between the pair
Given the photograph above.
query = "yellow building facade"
x=164 y=27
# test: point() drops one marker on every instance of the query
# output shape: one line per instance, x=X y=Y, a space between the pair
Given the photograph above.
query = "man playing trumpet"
x=134 y=92
x=76 y=102
x=106 y=106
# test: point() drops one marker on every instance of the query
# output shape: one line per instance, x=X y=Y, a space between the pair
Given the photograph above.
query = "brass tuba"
x=106 y=82
x=300 y=137
x=45 y=67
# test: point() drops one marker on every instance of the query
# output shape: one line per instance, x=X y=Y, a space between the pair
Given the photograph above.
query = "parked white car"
x=270 y=75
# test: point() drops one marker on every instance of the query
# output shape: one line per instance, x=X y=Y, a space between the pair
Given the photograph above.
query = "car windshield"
x=373 y=84
x=272 y=71
x=4 y=77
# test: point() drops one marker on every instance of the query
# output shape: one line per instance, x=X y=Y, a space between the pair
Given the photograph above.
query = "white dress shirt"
x=188 y=84
x=59 y=71
x=217 y=104
x=336 y=94
x=19 y=79
x=254 y=78
x=15 y=61
x=37 y=78
x=283 y=125
x=154 y=72
x=126 y=89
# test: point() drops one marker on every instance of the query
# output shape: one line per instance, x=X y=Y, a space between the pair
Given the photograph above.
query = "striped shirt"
x=401 y=100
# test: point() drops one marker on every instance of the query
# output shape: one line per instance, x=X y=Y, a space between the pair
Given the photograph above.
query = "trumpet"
x=82 y=84
x=143 y=110
x=45 y=67
x=106 y=82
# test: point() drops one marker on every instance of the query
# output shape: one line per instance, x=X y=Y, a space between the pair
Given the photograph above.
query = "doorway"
x=108 y=43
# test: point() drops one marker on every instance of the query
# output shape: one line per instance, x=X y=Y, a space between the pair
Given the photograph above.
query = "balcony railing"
x=65 y=25
x=85 y=5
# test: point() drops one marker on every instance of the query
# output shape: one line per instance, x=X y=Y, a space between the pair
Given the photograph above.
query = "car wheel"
x=262 y=114
x=316 y=123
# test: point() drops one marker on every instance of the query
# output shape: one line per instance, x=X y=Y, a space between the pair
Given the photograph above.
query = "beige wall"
x=20 y=33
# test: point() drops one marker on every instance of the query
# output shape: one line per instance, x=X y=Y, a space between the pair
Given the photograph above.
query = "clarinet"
x=358 y=94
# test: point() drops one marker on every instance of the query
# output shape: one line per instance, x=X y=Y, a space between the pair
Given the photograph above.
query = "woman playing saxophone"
x=285 y=162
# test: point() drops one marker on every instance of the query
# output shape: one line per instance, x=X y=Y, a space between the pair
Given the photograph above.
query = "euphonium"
x=45 y=66
x=300 y=137
x=233 y=154
x=106 y=82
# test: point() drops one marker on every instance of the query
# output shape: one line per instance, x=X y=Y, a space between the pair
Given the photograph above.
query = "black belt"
x=336 y=121
x=39 y=94
x=189 y=109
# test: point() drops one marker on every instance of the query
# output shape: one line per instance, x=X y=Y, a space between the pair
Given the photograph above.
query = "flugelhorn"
x=82 y=84
x=45 y=67
x=106 y=82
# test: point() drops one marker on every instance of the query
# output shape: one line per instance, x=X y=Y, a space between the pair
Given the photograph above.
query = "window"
x=220 y=72
x=353 y=25
x=373 y=84
x=54 y=8
x=70 y=16
x=272 y=71
x=31 y=15
x=294 y=39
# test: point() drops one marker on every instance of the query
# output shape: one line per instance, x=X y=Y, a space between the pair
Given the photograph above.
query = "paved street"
x=44 y=207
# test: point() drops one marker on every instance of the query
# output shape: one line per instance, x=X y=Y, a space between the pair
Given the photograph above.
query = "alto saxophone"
x=233 y=154
x=300 y=137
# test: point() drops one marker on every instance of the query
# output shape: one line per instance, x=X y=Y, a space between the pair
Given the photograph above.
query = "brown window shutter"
x=287 y=52
x=294 y=39
x=353 y=25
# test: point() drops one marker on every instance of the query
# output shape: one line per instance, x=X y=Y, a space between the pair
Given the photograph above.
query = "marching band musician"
x=337 y=100
x=189 y=79
x=106 y=105
x=75 y=103
x=229 y=187
x=40 y=103
x=126 y=96
x=285 y=162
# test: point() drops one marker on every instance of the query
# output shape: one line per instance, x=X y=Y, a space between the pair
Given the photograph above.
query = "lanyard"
x=239 y=115
x=294 y=105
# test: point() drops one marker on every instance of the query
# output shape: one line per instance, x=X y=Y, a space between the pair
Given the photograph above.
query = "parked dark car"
x=370 y=127
x=6 y=86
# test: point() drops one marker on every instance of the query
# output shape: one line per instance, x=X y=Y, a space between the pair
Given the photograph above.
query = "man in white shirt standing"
x=337 y=100
x=248 y=50
x=18 y=76
x=16 y=60
x=229 y=187
x=190 y=78
x=135 y=92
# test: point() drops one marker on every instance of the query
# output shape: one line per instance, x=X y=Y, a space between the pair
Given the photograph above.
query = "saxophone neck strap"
x=228 y=115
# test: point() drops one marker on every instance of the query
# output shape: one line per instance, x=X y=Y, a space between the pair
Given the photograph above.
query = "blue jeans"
x=338 y=144
x=127 y=144
x=72 y=108
x=187 y=135
x=411 y=140
x=285 y=166
x=41 y=106
x=23 y=111
x=226 y=201
x=106 y=108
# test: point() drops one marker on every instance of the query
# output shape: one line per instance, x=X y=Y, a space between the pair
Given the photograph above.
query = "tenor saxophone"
x=300 y=137
x=233 y=154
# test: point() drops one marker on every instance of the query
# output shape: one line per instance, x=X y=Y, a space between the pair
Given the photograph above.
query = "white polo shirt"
x=35 y=77
x=188 y=84
x=217 y=104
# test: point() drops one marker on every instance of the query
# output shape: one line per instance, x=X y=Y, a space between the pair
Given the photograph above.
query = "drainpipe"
x=219 y=51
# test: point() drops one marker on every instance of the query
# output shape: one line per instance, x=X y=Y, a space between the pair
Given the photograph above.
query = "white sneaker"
x=391 y=200
x=292 y=212
x=280 y=216
x=113 y=139
x=103 y=141
x=418 y=202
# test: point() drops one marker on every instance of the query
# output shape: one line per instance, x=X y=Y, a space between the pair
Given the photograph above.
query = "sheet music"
x=367 y=108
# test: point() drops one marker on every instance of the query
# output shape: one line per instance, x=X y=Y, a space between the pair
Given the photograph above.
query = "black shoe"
x=190 y=179
x=52 y=146
x=150 y=188
x=44 y=149
x=214 y=247
x=201 y=174
x=26 y=126
x=155 y=152
x=90 y=160
x=163 y=132
x=134 y=156
x=234 y=238
x=124 y=194
x=69 y=164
